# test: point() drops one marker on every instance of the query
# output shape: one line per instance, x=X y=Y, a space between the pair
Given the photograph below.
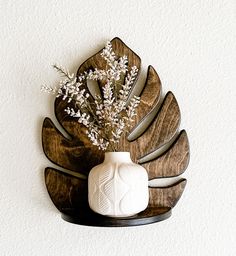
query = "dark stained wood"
x=69 y=193
x=150 y=97
x=70 y=154
x=120 y=49
x=173 y=162
x=166 y=196
x=90 y=218
x=96 y=61
x=70 y=124
x=161 y=131
x=66 y=191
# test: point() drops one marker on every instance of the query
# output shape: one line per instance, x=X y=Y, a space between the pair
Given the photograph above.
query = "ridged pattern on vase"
x=118 y=189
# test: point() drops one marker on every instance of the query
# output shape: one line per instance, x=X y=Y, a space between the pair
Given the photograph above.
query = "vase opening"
x=117 y=156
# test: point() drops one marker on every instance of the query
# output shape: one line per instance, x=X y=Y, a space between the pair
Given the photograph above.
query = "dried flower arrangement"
x=110 y=114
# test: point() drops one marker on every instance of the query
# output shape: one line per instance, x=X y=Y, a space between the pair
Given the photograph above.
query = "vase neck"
x=117 y=157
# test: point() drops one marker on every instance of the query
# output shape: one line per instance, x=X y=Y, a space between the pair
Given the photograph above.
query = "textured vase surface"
x=118 y=187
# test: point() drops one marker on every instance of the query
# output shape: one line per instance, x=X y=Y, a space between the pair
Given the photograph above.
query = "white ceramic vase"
x=118 y=187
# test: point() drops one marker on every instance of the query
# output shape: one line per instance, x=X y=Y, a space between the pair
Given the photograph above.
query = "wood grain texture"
x=150 y=97
x=70 y=124
x=66 y=191
x=158 y=126
x=173 y=162
x=166 y=196
x=69 y=195
x=120 y=49
x=162 y=129
x=73 y=154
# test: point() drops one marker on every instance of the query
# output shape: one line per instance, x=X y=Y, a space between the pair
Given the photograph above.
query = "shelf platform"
x=90 y=218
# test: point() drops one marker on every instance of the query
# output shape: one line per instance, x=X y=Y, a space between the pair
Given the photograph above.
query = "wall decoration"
x=107 y=114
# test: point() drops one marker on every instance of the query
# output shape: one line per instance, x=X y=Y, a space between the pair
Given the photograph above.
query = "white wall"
x=192 y=45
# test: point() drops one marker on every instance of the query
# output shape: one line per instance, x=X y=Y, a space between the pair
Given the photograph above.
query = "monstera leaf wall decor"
x=156 y=125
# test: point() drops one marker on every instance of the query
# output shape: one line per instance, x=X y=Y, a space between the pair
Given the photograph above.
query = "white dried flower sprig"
x=108 y=116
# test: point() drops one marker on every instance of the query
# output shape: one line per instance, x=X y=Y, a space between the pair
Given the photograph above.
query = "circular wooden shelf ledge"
x=90 y=218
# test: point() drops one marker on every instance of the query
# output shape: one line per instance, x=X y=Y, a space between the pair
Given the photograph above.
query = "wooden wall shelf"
x=89 y=218
x=155 y=125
